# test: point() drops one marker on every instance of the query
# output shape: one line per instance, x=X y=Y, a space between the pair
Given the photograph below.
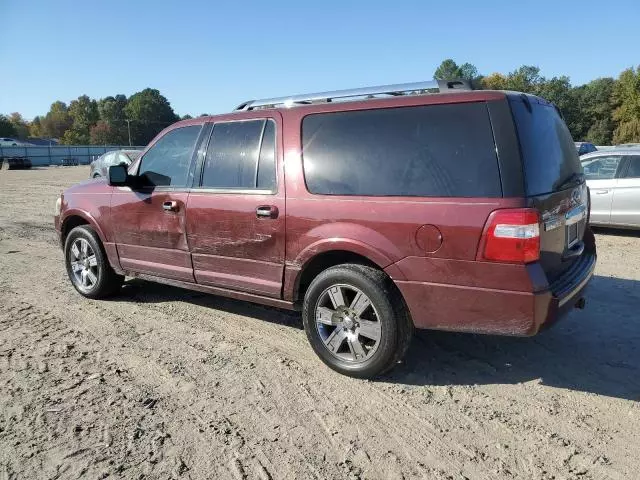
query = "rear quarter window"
x=548 y=152
x=431 y=151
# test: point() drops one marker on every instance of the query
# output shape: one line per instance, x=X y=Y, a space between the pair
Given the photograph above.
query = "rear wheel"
x=87 y=264
x=356 y=321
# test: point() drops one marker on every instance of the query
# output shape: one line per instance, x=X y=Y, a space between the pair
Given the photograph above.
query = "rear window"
x=548 y=152
x=430 y=151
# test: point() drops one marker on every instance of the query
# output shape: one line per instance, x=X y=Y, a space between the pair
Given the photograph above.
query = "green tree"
x=149 y=112
x=626 y=97
x=448 y=70
x=111 y=110
x=35 y=128
x=73 y=137
x=22 y=127
x=186 y=117
x=84 y=113
x=559 y=91
x=7 y=129
x=594 y=102
x=468 y=71
x=56 y=121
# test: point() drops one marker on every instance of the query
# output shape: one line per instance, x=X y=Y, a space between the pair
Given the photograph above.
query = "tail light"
x=511 y=235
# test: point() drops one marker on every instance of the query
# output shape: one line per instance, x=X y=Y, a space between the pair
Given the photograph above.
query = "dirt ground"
x=165 y=383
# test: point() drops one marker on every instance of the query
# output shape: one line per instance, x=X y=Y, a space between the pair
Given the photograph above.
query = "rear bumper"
x=496 y=311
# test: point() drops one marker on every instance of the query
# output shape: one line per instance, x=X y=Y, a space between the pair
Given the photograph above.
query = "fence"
x=61 y=154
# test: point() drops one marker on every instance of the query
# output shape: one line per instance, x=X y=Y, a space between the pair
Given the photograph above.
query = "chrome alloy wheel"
x=348 y=323
x=84 y=265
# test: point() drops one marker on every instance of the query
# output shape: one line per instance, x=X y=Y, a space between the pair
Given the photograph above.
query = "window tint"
x=232 y=157
x=548 y=152
x=601 y=168
x=167 y=162
x=438 y=150
x=634 y=167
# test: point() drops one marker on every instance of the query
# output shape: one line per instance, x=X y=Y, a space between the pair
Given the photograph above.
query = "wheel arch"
x=320 y=261
x=75 y=219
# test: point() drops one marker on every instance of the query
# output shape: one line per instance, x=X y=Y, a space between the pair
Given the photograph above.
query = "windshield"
x=548 y=151
x=133 y=154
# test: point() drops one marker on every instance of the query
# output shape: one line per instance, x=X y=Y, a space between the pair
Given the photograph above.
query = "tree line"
x=113 y=120
x=604 y=111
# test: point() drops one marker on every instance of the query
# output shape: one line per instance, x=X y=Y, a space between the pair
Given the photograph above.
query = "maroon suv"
x=374 y=211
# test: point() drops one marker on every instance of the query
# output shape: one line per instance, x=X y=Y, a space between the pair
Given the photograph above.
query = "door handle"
x=267 y=211
x=170 y=206
x=601 y=192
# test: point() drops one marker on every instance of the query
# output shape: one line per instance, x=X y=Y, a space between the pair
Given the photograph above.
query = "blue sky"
x=208 y=56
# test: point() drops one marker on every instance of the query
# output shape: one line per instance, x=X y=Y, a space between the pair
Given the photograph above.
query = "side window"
x=601 y=168
x=431 y=151
x=241 y=155
x=167 y=162
x=267 y=161
x=634 y=167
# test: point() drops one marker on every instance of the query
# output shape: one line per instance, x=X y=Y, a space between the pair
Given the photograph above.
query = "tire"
x=382 y=327
x=87 y=264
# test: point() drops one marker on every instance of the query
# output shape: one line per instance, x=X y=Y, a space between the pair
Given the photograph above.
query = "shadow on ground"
x=617 y=232
x=596 y=350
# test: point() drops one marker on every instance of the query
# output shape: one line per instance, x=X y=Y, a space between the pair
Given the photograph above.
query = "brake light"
x=511 y=235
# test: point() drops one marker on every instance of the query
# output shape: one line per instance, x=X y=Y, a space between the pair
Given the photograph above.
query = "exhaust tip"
x=580 y=304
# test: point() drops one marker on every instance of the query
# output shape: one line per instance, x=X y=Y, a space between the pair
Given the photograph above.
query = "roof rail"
x=393 y=90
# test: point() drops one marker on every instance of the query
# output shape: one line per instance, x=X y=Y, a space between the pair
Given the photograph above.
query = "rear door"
x=149 y=220
x=235 y=222
x=625 y=208
x=554 y=181
x=601 y=173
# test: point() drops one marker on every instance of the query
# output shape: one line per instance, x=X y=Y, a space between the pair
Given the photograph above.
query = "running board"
x=223 y=292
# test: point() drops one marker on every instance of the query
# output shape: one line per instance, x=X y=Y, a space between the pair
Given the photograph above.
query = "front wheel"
x=356 y=321
x=87 y=264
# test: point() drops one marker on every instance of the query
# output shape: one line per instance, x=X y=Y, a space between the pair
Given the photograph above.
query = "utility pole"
x=129 y=130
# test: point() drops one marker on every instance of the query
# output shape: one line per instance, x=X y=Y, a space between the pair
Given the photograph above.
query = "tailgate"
x=564 y=221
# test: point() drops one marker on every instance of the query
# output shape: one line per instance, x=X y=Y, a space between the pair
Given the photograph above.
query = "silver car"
x=100 y=166
x=613 y=176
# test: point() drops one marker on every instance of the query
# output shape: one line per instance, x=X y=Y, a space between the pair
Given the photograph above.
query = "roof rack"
x=371 y=92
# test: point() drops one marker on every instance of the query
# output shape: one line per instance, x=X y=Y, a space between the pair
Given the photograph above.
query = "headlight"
x=58 y=206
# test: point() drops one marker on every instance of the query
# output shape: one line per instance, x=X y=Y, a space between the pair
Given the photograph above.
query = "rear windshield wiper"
x=574 y=179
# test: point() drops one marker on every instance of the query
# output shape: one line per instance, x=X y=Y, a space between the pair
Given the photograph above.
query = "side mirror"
x=118 y=175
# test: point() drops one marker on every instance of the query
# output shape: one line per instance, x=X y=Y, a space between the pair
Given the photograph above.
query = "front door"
x=601 y=174
x=625 y=209
x=235 y=225
x=149 y=220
